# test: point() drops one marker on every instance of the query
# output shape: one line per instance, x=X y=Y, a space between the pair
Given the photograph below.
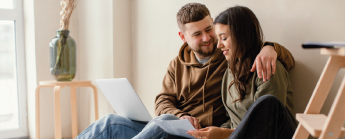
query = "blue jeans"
x=113 y=126
x=266 y=118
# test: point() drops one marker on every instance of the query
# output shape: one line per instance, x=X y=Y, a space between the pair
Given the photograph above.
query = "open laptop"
x=124 y=99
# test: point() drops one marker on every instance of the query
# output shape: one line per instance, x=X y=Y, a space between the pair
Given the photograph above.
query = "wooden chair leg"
x=74 y=112
x=335 y=118
x=95 y=95
x=57 y=112
x=320 y=93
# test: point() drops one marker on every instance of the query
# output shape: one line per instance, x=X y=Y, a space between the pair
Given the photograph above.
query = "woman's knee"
x=268 y=100
x=167 y=117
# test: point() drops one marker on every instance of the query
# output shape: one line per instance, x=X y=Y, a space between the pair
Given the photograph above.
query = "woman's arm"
x=211 y=132
x=279 y=85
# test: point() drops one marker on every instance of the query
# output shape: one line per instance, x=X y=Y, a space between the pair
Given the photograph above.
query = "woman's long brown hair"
x=247 y=38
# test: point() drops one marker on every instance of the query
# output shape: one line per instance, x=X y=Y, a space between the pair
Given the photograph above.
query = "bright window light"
x=13 y=113
x=8 y=81
x=6 y=4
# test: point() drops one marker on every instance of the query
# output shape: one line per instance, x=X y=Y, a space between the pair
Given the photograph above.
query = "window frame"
x=16 y=14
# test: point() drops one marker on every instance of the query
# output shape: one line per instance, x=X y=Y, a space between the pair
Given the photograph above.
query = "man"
x=192 y=85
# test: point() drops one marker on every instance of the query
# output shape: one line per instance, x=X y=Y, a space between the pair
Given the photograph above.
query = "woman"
x=256 y=109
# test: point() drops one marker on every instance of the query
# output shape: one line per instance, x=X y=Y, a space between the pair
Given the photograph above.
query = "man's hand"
x=265 y=62
x=194 y=121
x=211 y=133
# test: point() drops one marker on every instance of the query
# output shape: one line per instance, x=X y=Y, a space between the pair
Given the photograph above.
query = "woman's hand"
x=211 y=133
x=265 y=62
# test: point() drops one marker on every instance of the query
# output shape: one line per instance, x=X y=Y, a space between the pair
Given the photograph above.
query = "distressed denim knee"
x=110 y=126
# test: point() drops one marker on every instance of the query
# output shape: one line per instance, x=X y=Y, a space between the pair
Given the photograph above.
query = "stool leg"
x=57 y=112
x=95 y=95
x=74 y=112
x=335 y=119
x=320 y=92
x=324 y=85
x=38 y=112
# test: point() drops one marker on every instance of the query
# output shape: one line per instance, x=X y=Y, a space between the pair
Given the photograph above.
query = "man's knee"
x=167 y=117
x=114 y=117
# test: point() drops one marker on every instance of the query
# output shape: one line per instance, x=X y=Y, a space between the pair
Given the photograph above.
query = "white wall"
x=95 y=55
x=104 y=51
x=290 y=23
x=155 y=43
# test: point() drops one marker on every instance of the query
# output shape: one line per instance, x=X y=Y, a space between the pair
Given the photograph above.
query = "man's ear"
x=182 y=36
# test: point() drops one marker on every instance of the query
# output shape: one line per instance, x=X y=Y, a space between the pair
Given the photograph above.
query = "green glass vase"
x=63 y=56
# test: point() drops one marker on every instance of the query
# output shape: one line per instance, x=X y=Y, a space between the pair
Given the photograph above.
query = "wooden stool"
x=57 y=86
x=320 y=125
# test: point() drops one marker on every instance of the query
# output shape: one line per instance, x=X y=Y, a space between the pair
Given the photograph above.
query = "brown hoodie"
x=190 y=88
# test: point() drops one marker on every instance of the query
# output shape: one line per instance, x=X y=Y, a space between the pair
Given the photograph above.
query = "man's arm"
x=166 y=100
x=284 y=56
x=265 y=61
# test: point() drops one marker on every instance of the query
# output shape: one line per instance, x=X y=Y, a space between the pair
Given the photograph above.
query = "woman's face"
x=224 y=39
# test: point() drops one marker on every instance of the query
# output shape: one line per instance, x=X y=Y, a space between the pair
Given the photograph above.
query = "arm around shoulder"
x=284 y=56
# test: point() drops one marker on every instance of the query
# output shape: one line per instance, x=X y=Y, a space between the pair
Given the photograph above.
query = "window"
x=13 y=117
x=6 y=4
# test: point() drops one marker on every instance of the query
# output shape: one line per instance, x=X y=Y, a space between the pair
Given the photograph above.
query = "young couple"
x=237 y=91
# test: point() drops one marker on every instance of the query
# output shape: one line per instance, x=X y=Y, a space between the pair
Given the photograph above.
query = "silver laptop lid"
x=124 y=99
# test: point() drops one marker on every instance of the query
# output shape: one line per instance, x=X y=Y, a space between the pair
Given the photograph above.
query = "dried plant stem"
x=62 y=42
x=67 y=8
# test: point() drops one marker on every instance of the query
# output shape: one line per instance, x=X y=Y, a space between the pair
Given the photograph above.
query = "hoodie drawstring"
x=190 y=78
x=203 y=89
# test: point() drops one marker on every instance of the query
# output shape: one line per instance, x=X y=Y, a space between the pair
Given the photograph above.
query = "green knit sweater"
x=278 y=85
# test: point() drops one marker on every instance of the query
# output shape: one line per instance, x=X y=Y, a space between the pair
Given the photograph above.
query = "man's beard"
x=206 y=54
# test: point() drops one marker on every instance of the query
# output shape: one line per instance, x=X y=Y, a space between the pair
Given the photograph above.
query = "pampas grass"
x=67 y=8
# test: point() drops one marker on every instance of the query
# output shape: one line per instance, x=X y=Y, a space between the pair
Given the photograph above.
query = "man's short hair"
x=191 y=12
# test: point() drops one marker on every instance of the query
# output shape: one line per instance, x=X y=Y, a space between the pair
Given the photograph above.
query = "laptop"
x=124 y=100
